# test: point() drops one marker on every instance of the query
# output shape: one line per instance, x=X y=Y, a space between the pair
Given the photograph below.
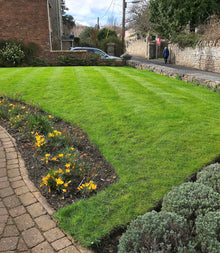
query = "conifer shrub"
x=208 y=232
x=190 y=200
x=157 y=232
x=210 y=176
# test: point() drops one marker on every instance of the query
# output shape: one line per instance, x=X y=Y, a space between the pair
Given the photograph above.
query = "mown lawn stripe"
x=156 y=131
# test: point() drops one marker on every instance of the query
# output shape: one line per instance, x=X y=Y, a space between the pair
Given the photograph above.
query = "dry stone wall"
x=204 y=57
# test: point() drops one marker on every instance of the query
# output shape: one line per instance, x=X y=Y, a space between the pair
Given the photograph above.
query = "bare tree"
x=138 y=17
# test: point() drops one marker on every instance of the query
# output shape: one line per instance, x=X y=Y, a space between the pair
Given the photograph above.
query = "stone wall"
x=137 y=48
x=175 y=73
x=203 y=57
x=145 y=48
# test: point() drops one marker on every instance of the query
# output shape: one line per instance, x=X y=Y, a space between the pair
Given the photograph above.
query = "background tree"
x=139 y=17
x=89 y=37
x=169 y=17
x=68 y=20
x=106 y=33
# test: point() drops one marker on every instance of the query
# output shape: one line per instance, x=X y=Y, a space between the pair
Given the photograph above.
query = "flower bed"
x=64 y=165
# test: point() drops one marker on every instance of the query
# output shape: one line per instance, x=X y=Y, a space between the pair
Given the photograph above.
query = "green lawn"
x=154 y=130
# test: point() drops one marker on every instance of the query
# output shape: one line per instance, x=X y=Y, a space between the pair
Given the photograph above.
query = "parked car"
x=93 y=50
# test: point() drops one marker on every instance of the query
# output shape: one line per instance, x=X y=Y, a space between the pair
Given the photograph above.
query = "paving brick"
x=54 y=234
x=27 y=199
x=9 y=243
x=3 y=211
x=17 y=184
x=10 y=150
x=3 y=172
x=61 y=243
x=14 y=179
x=17 y=211
x=3 y=179
x=32 y=237
x=4 y=184
x=4 y=218
x=11 y=201
x=70 y=249
x=10 y=231
x=21 y=190
x=5 y=192
x=10 y=221
x=11 y=155
x=2 y=227
x=24 y=222
x=3 y=162
x=43 y=247
x=13 y=166
x=12 y=161
x=22 y=247
x=45 y=222
x=13 y=173
x=36 y=210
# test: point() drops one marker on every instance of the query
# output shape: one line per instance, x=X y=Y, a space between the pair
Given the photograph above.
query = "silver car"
x=93 y=50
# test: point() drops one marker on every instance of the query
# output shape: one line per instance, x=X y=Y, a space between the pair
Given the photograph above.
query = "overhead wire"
x=107 y=9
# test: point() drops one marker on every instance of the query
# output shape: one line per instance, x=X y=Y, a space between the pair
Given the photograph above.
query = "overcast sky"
x=86 y=12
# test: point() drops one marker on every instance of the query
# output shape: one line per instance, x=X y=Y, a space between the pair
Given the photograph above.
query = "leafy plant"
x=190 y=200
x=56 y=180
x=156 y=232
x=12 y=54
x=78 y=60
x=208 y=232
x=210 y=176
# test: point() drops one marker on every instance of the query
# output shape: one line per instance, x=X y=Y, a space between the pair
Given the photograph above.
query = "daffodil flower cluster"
x=87 y=187
x=56 y=180
x=54 y=133
x=39 y=140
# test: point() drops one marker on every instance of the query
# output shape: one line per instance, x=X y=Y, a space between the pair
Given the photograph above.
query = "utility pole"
x=124 y=6
x=123 y=25
x=98 y=27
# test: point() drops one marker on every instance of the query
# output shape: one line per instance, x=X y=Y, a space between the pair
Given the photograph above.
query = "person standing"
x=166 y=54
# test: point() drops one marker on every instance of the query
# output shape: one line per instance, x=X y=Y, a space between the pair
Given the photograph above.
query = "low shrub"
x=39 y=63
x=156 y=232
x=78 y=60
x=11 y=54
x=15 y=53
x=208 y=232
x=190 y=200
x=184 y=39
x=210 y=176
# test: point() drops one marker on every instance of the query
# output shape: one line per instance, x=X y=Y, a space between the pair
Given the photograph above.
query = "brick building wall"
x=26 y=21
x=32 y=21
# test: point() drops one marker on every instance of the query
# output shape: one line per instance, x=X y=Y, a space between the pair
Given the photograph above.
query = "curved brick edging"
x=26 y=222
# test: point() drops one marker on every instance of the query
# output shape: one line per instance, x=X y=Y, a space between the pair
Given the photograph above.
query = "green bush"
x=184 y=39
x=15 y=53
x=156 y=232
x=78 y=60
x=116 y=41
x=39 y=63
x=210 y=176
x=11 y=54
x=208 y=232
x=190 y=200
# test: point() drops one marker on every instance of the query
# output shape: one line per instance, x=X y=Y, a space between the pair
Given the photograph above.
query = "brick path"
x=26 y=223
